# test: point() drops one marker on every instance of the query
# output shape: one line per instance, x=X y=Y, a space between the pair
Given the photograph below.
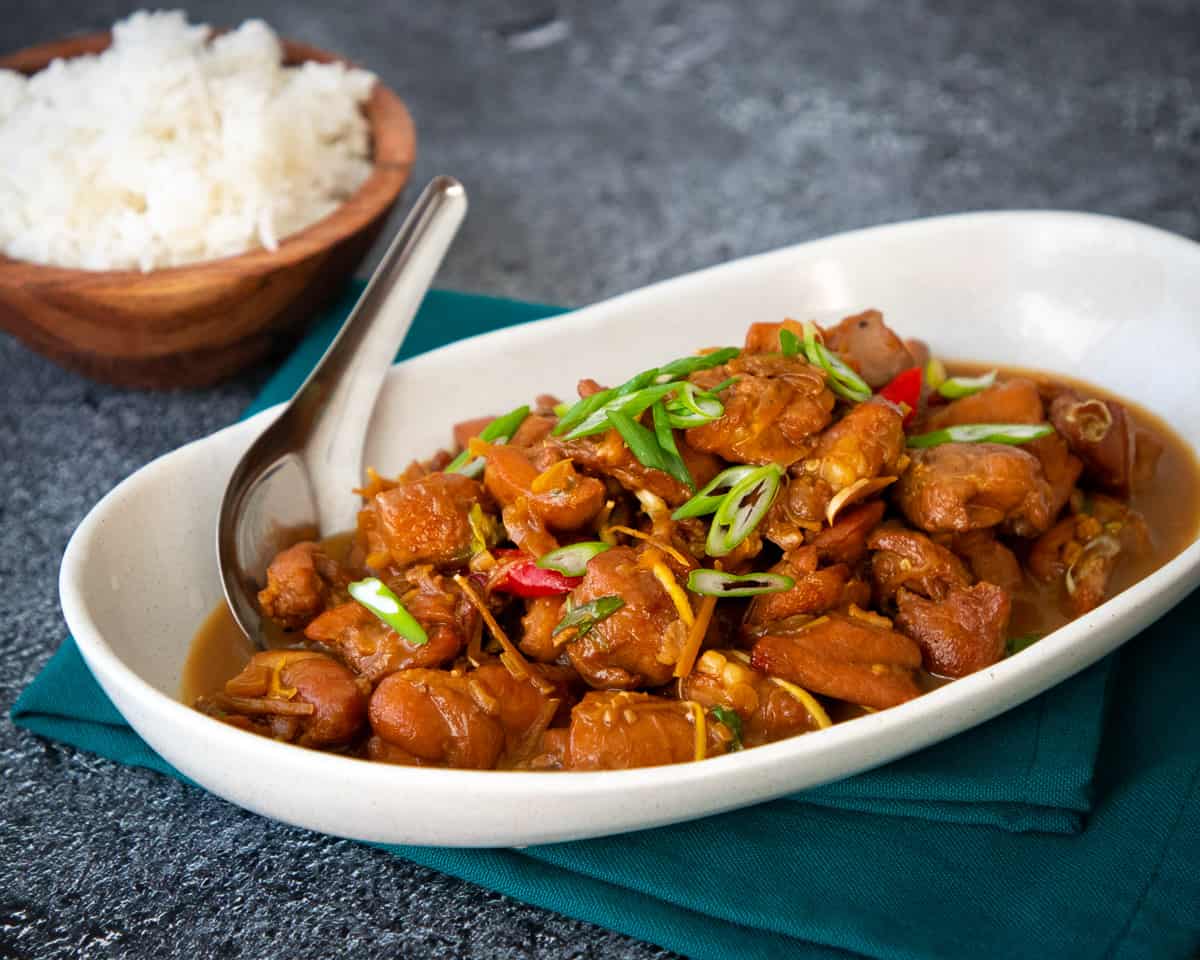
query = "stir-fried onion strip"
x=512 y=658
x=264 y=706
x=687 y=659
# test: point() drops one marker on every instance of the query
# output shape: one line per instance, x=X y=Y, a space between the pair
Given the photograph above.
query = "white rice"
x=168 y=149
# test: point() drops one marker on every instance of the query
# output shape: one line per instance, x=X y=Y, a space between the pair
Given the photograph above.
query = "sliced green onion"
x=685 y=366
x=710 y=497
x=560 y=409
x=632 y=405
x=731 y=721
x=666 y=444
x=587 y=615
x=374 y=594
x=692 y=407
x=1017 y=644
x=955 y=387
x=723 y=385
x=641 y=442
x=499 y=431
x=742 y=509
x=935 y=373
x=572 y=560
x=717 y=583
x=1011 y=433
x=789 y=343
x=842 y=380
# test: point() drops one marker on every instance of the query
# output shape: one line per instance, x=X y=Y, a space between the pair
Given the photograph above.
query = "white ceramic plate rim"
x=855 y=746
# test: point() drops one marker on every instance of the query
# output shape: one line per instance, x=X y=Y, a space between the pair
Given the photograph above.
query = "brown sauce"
x=1171 y=508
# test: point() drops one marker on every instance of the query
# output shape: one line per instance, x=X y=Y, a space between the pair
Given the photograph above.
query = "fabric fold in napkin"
x=1057 y=823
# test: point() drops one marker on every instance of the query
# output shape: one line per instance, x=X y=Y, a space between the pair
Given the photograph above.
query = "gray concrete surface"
x=611 y=145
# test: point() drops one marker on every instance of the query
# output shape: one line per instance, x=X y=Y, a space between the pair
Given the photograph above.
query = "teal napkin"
x=1057 y=829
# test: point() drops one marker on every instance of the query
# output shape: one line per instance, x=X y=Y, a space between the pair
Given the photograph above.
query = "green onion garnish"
x=1011 y=433
x=1017 y=644
x=742 y=509
x=692 y=407
x=375 y=595
x=789 y=343
x=686 y=366
x=644 y=445
x=955 y=387
x=733 y=722
x=717 y=583
x=572 y=560
x=560 y=409
x=723 y=385
x=709 y=498
x=842 y=380
x=667 y=447
x=499 y=431
x=631 y=405
x=587 y=615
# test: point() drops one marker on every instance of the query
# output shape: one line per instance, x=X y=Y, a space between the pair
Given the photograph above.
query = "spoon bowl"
x=295 y=481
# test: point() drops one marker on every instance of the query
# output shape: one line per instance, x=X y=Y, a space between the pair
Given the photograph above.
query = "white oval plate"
x=1110 y=300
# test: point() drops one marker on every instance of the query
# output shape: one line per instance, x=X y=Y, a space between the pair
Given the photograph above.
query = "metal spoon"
x=295 y=481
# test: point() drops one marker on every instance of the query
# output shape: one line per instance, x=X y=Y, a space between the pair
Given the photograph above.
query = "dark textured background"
x=611 y=145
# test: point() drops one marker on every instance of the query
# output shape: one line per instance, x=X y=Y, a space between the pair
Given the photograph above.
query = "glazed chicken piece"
x=957 y=487
x=815 y=591
x=871 y=347
x=764 y=337
x=300 y=696
x=1011 y=401
x=851 y=658
x=767 y=709
x=454 y=719
x=607 y=455
x=772 y=412
x=618 y=730
x=799 y=508
x=542 y=615
x=300 y=583
x=421 y=521
x=963 y=632
x=988 y=559
x=1083 y=549
x=867 y=442
x=846 y=541
x=638 y=645
x=561 y=497
x=1059 y=465
x=1117 y=457
x=375 y=650
x=903 y=558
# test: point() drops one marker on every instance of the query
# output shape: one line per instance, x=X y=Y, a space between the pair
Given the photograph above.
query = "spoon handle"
x=335 y=403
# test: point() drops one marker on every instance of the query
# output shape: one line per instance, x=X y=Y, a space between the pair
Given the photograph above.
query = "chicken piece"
x=1106 y=440
x=846 y=657
x=964 y=632
x=560 y=497
x=772 y=413
x=374 y=650
x=988 y=558
x=867 y=442
x=542 y=615
x=608 y=455
x=300 y=583
x=768 y=711
x=764 y=337
x=296 y=695
x=453 y=719
x=1011 y=401
x=638 y=645
x=1060 y=467
x=920 y=352
x=871 y=347
x=421 y=521
x=1083 y=549
x=799 y=508
x=905 y=558
x=618 y=730
x=957 y=487
x=815 y=591
x=846 y=541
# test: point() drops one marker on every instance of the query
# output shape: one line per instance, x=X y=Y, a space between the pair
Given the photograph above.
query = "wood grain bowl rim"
x=393 y=148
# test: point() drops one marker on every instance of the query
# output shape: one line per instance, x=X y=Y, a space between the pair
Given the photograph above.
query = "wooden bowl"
x=193 y=325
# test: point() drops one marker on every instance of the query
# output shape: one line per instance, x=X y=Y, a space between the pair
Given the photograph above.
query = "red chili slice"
x=905 y=392
x=522 y=577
